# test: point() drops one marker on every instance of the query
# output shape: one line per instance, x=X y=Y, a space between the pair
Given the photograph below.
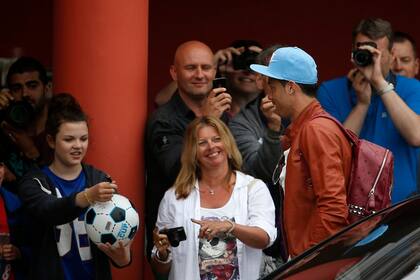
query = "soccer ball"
x=112 y=221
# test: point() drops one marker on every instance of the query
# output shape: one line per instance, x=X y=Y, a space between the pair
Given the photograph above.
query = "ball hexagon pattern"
x=112 y=221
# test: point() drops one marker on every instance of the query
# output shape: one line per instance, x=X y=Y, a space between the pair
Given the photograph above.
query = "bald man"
x=193 y=71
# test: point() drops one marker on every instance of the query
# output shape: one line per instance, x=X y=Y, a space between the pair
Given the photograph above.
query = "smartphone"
x=219 y=82
x=175 y=235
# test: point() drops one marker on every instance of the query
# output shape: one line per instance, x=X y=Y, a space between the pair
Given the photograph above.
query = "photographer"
x=23 y=110
x=233 y=63
x=378 y=105
x=23 y=114
x=228 y=216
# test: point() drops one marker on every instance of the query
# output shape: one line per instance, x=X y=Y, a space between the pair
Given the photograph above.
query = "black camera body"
x=244 y=60
x=18 y=114
x=175 y=235
x=362 y=57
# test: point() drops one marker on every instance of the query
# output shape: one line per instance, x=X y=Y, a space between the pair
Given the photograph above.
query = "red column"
x=100 y=56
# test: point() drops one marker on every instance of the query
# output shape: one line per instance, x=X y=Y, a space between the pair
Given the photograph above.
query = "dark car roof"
x=383 y=246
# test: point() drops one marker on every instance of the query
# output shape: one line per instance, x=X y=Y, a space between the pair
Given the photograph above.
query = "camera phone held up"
x=244 y=60
x=362 y=57
x=219 y=82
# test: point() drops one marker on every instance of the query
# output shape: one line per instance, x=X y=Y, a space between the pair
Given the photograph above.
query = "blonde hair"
x=190 y=170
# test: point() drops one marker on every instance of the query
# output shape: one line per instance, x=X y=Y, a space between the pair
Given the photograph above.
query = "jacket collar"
x=181 y=107
x=313 y=108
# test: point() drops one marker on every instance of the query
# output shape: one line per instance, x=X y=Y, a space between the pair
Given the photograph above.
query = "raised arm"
x=404 y=118
x=357 y=116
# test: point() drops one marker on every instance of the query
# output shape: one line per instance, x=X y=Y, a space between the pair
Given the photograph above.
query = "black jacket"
x=163 y=147
x=47 y=211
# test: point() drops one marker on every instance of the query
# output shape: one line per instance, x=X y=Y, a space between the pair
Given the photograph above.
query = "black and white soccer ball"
x=112 y=221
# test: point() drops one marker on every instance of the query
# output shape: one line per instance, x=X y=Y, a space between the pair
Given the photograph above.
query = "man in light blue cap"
x=319 y=160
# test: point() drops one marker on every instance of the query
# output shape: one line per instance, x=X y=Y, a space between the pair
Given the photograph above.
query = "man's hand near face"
x=5 y=98
x=361 y=86
x=269 y=110
x=373 y=72
x=363 y=91
x=224 y=57
x=217 y=102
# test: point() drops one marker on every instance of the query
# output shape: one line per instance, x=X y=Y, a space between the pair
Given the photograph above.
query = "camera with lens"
x=363 y=57
x=18 y=114
x=244 y=60
x=175 y=235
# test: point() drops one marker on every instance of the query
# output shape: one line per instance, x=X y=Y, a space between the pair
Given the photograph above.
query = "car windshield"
x=385 y=246
x=393 y=261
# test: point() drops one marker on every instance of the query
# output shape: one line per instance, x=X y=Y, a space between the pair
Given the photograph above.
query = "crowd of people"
x=271 y=106
x=45 y=186
x=230 y=191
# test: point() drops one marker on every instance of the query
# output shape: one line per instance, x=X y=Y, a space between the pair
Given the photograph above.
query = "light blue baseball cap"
x=290 y=64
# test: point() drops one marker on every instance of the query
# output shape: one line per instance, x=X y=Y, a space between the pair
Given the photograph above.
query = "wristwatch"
x=389 y=87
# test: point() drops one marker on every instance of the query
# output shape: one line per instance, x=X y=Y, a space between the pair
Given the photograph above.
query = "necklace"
x=211 y=191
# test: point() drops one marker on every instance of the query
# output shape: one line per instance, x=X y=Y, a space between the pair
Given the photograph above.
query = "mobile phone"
x=175 y=235
x=219 y=82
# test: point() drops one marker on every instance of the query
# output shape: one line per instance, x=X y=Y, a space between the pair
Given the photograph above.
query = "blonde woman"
x=228 y=217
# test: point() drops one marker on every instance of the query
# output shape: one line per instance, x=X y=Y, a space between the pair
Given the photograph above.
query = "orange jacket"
x=318 y=170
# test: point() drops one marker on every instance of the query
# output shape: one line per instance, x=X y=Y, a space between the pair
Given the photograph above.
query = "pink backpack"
x=371 y=176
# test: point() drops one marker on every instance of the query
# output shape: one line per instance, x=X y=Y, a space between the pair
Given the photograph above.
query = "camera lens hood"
x=362 y=57
x=19 y=114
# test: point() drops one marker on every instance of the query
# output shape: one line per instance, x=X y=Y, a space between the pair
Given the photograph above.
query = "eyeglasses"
x=275 y=177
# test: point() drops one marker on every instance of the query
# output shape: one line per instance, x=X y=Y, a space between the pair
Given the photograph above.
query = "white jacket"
x=254 y=207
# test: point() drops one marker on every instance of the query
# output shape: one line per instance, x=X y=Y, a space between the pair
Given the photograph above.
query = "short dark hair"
x=401 y=37
x=245 y=43
x=309 y=90
x=374 y=28
x=63 y=107
x=27 y=64
x=265 y=56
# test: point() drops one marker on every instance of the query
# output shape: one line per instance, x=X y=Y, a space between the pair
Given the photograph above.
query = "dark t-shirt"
x=72 y=241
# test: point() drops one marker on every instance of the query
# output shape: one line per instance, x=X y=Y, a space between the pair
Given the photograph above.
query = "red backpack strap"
x=351 y=136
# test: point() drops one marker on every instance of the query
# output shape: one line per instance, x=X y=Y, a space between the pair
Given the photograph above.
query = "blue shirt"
x=72 y=240
x=338 y=98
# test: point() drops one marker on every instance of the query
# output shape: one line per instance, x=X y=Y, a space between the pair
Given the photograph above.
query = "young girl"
x=57 y=196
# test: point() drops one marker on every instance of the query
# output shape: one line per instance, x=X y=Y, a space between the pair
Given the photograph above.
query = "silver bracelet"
x=232 y=226
x=389 y=87
x=157 y=257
